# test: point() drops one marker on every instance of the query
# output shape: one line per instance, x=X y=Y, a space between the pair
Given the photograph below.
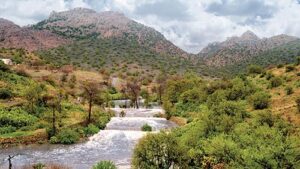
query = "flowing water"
x=115 y=143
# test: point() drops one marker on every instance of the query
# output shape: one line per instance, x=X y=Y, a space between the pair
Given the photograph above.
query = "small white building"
x=7 y=61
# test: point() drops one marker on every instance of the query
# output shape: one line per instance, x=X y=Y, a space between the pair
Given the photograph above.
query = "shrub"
x=289 y=68
x=54 y=140
x=146 y=127
x=160 y=150
x=264 y=117
x=67 y=136
x=280 y=66
x=298 y=103
x=122 y=113
x=39 y=166
x=3 y=66
x=50 y=132
x=90 y=130
x=276 y=81
x=298 y=60
x=260 y=100
x=269 y=76
x=16 y=117
x=289 y=90
x=7 y=129
x=105 y=165
x=22 y=72
x=101 y=119
x=5 y=94
x=255 y=69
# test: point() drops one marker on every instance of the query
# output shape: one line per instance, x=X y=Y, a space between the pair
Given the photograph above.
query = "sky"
x=189 y=24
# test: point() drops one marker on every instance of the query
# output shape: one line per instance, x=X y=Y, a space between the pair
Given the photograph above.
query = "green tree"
x=133 y=90
x=146 y=96
x=158 y=151
x=33 y=94
x=260 y=100
x=91 y=89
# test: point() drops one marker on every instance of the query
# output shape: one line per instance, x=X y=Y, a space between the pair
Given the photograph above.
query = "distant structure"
x=7 y=61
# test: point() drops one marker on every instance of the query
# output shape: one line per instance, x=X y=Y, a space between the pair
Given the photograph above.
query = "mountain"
x=111 y=41
x=236 y=50
x=14 y=36
x=81 y=23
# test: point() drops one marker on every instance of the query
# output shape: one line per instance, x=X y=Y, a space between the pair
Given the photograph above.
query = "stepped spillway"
x=115 y=143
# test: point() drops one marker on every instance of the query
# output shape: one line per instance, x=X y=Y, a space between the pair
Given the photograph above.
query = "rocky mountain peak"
x=249 y=35
x=72 y=12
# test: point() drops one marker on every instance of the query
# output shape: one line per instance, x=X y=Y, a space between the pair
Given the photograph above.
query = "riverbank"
x=115 y=143
x=37 y=137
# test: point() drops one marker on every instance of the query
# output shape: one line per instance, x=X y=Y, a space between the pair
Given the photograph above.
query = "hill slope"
x=112 y=41
x=234 y=54
x=14 y=36
x=81 y=23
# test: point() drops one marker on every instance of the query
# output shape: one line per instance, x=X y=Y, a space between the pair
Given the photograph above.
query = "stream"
x=115 y=143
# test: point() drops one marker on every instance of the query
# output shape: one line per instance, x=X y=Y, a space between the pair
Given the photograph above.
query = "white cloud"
x=189 y=24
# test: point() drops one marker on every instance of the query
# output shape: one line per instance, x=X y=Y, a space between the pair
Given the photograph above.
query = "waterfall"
x=115 y=143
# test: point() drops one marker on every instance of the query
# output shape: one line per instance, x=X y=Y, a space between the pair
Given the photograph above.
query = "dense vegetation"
x=28 y=107
x=231 y=124
x=284 y=54
x=120 y=56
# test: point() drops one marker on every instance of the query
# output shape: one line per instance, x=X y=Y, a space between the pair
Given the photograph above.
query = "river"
x=115 y=143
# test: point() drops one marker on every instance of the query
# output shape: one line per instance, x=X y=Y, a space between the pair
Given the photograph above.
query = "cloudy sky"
x=190 y=24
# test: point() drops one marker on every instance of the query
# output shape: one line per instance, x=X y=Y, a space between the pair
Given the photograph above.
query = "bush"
x=54 y=140
x=298 y=103
x=160 y=150
x=22 y=72
x=90 y=130
x=7 y=129
x=50 y=132
x=122 y=113
x=255 y=69
x=289 y=68
x=280 y=66
x=101 y=119
x=67 y=136
x=269 y=76
x=105 y=165
x=260 y=100
x=39 y=166
x=263 y=117
x=289 y=90
x=276 y=81
x=3 y=66
x=5 y=94
x=16 y=117
x=146 y=127
x=298 y=60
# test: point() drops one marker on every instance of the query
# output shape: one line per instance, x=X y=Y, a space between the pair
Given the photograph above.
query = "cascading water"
x=115 y=143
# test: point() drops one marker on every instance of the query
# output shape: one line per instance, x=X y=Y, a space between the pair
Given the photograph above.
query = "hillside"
x=249 y=121
x=234 y=54
x=81 y=23
x=111 y=41
x=14 y=36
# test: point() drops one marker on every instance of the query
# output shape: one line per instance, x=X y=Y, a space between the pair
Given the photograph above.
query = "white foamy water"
x=115 y=143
